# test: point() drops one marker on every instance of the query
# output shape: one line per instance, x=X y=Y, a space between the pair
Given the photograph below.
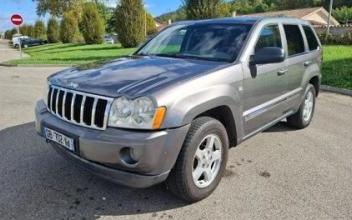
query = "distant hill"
x=176 y=15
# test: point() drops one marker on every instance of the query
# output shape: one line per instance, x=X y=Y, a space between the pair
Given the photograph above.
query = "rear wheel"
x=304 y=115
x=201 y=162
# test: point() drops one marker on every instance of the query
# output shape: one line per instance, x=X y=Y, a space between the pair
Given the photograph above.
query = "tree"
x=92 y=24
x=27 y=30
x=56 y=7
x=343 y=14
x=130 y=22
x=53 y=32
x=10 y=33
x=69 y=28
x=151 y=26
x=203 y=9
x=39 y=30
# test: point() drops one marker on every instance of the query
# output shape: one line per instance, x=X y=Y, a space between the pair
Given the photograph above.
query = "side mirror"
x=268 y=55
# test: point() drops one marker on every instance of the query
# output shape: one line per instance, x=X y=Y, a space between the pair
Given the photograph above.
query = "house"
x=317 y=15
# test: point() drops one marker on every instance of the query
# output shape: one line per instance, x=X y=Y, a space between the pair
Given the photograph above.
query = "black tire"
x=297 y=120
x=180 y=181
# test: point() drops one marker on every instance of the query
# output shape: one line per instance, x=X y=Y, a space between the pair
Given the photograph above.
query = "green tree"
x=151 y=26
x=92 y=24
x=343 y=14
x=39 y=30
x=69 y=28
x=27 y=30
x=57 y=7
x=10 y=33
x=202 y=9
x=130 y=22
x=53 y=31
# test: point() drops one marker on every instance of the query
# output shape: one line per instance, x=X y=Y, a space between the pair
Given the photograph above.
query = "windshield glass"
x=217 y=42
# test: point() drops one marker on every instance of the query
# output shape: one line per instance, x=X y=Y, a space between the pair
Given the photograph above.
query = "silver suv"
x=171 y=111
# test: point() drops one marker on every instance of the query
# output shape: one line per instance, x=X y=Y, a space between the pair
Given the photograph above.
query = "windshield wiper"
x=165 y=55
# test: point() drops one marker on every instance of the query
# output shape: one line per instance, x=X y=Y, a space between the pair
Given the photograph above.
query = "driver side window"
x=269 y=37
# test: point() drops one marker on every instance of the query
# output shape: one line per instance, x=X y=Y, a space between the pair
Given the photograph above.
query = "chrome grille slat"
x=63 y=104
x=51 y=100
x=57 y=102
x=70 y=107
x=93 y=113
x=82 y=110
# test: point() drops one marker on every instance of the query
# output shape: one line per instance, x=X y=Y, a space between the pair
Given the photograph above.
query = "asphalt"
x=279 y=174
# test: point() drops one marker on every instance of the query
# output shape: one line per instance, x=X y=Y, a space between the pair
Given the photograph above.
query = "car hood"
x=132 y=76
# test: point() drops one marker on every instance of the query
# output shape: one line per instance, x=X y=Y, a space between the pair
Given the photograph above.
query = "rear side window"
x=269 y=37
x=312 y=40
x=295 y=43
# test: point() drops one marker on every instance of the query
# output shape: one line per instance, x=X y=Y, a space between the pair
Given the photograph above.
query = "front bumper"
x=101 y=151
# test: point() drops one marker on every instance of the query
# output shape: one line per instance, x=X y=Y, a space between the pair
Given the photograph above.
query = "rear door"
x=297 y=56
x=263 y=86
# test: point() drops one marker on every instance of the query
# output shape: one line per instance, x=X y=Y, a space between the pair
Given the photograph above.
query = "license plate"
x=59 y=138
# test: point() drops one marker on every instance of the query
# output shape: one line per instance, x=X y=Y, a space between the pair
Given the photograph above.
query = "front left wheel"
x=201 y=162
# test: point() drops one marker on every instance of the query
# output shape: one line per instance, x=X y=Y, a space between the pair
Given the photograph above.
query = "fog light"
x=136 y=153
x=130 y=155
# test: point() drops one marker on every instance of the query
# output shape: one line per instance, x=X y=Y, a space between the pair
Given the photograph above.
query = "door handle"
x=307 y=63
x=282 y=72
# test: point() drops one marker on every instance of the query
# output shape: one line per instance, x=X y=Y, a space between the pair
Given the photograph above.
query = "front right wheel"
x=201 y=162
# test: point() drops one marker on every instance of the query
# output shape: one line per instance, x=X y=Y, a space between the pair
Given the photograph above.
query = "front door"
x=264 y=84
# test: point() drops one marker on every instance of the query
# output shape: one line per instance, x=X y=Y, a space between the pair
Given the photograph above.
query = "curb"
x=35 y=65
x=44 y=65
x=347 y=92
x=7 y=65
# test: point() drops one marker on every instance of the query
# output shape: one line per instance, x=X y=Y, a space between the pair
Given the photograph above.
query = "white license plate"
x=59 y=138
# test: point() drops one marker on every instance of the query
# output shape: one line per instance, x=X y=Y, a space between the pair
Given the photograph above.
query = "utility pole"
x=329 y=20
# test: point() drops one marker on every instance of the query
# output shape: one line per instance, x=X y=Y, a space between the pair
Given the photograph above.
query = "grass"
x=72 y=53
x=337 y=66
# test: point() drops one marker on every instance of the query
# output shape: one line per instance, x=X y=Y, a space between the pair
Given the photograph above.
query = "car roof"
x=245 y=20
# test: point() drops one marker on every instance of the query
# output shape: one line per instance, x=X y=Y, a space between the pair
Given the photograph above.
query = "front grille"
x=79 y=108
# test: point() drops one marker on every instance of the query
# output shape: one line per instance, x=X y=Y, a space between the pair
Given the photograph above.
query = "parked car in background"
x=30 y=42
x=109 y=39
x=16 y=39
x=172 y=111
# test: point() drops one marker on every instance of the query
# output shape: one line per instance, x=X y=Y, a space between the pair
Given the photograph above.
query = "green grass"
x=337 y=66
x=72 y=53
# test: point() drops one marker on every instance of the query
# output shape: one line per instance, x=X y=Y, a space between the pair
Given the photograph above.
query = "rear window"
x=294 y=38
x=312 y=40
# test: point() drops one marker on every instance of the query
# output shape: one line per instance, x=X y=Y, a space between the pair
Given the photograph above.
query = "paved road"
x=279 y=174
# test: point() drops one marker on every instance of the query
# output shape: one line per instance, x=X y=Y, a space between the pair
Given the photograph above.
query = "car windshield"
x=216 y=42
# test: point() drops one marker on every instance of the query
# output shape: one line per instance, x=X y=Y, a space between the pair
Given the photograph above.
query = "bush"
x=336 y=39
x=69 y=28
x=130 y=27
x=92 y=24
x=53 y=32
x=39 y=30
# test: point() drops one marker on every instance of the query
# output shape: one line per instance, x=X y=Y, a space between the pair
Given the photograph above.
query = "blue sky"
x=27 y=9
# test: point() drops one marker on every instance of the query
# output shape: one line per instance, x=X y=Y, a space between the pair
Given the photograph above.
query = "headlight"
x=45 y=93
x=140 y=113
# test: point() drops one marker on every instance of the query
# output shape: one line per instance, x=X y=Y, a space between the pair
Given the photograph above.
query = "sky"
x=26 y=8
